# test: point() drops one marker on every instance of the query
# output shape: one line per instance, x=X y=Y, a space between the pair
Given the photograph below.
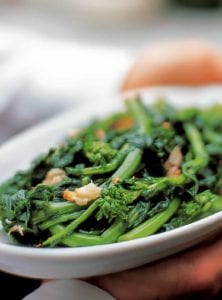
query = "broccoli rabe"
x=145 y=170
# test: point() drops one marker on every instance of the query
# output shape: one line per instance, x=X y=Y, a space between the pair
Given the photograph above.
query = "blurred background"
x=55 y=54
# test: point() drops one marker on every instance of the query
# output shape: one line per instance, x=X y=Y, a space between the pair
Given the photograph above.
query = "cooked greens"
x=145 y=170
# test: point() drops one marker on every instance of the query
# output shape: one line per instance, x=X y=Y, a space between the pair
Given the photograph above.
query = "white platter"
x=89 y=261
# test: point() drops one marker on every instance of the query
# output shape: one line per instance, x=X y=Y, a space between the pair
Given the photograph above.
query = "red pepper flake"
x=123 y=123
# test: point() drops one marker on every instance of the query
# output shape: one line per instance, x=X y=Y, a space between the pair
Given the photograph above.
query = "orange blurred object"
x=175 y=63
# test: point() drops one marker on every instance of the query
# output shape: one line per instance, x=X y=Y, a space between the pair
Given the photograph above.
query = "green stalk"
x=211 y=206
x=129 y=165
x=109 y=236
x=152 y=186
x=153 y=224
x=56 y=238
x=213 y=137
x=60 y=219
x=176 y=181
x=201 y=157
x=196 y=141
x=48 y=209
x=102 y=169
x=138 y=112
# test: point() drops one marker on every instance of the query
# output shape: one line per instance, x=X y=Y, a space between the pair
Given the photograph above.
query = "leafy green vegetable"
x=64 y=155
x=142 y=171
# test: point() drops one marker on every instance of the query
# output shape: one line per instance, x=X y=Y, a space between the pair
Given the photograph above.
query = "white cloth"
x=71 y=289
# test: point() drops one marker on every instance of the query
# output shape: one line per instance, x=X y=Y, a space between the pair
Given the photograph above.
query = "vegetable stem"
x=48 y=209
x=102 y=169
x=201 y=157
x=60 y=219
x=138 y=111
x=129 y=165
x=109 y=236
x=153 y=224
x=56 y=238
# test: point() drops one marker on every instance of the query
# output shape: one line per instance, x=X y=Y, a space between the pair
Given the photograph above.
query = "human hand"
x=195 y=274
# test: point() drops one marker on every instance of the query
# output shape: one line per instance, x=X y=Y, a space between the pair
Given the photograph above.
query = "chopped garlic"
x=7 y=221
x=83 y=195
x=17 y=228
x=173 y=162
x=54 y=176
x=115 y=180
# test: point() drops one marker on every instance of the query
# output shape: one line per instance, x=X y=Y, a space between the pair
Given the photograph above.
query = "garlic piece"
x=54 y=176
x=83 y=195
